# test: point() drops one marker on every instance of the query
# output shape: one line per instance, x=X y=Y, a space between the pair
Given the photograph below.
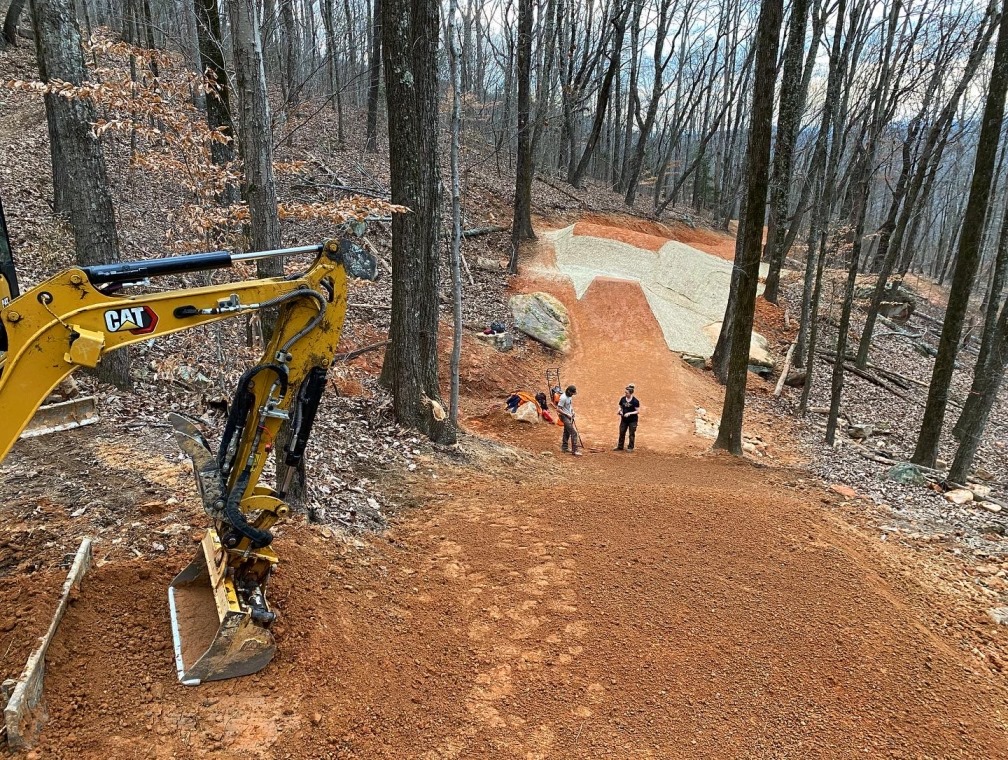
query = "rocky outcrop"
x=542 y=317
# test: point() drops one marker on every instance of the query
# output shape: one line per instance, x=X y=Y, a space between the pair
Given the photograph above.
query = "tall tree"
x=985 y=392
x=968 y=256
x=374 y=78
x=254 y=132
x=792 y=103
x=982 y=369
x=758 y=162
x=10 y=26
x=410 y=30
x=521 y=226
x=79 y=173
x=218 y=102
x=602 y=101
x=455 y=53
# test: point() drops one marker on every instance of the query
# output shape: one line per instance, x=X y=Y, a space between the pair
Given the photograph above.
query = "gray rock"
x=695 y=361
x=999 y=615
x=860 y=432
x=906 y=473
x=897 y=311
x=542 y=317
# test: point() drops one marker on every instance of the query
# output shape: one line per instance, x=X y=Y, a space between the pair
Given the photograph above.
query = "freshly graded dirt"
x=26 y=609
x=645 y=605
x=648 y=605
x=686 y=288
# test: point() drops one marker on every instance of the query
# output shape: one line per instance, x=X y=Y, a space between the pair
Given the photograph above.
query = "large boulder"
x=906 y=472
x=759 y=347
x=543 y=317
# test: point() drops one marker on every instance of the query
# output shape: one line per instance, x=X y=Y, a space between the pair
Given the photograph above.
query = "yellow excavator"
x=220 y=616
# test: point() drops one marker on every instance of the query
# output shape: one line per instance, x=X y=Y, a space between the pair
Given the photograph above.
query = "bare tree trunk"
x=792 y=103
x=969 y=252
x=11 y=23
x=987 y=342
x=602 y=101
x=861 y=189
x=218 y=103
x=255 y=137
x=411 y=33
x=374 y=78
x=986 y=394
x=521 y=226
x=758 y=161
x=289 y=80
x=83 y=173
x=454 y=54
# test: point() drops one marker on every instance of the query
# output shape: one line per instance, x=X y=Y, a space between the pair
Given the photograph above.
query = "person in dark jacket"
x=629 y=409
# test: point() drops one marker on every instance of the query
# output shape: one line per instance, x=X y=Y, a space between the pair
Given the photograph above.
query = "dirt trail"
x=618 y=341
x=640 y=608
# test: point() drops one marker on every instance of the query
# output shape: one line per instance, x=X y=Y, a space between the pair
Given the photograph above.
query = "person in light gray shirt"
x=565 y=406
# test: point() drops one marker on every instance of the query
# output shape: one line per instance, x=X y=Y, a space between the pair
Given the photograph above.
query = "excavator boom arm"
x=69 y=322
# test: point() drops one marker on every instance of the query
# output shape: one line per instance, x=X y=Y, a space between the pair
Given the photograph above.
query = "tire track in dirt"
x=524 y=615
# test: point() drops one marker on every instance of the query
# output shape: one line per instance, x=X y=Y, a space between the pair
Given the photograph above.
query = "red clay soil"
x=651 y=604
x=768 y=321
x=617 y=340
x=650 y=235
x=628 y=222
x=25 y=612
x=640 y=240
x=642 y=605
x=718 y=244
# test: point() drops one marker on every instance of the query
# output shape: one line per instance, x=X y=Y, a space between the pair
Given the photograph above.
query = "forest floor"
x=499 y=599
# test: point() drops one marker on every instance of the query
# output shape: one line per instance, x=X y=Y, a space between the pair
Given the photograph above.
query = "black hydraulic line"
x=236 y=518
x=7 y=270
x=242 y=405
x=309 y=397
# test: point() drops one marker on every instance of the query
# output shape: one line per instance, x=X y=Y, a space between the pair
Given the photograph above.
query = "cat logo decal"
x=139 y=320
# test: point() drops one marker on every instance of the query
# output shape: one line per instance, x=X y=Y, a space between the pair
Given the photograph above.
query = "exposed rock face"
x=543 y=317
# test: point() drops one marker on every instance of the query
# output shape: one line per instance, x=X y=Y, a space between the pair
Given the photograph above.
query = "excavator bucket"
x=214 y=637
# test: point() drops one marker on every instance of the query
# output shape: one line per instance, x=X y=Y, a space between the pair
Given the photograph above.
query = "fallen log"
x=561 y=190
x=477 y=231
x=871 y=455
x=381 y=195
x=351 y=355
x=784 y=372
x=865 y=375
